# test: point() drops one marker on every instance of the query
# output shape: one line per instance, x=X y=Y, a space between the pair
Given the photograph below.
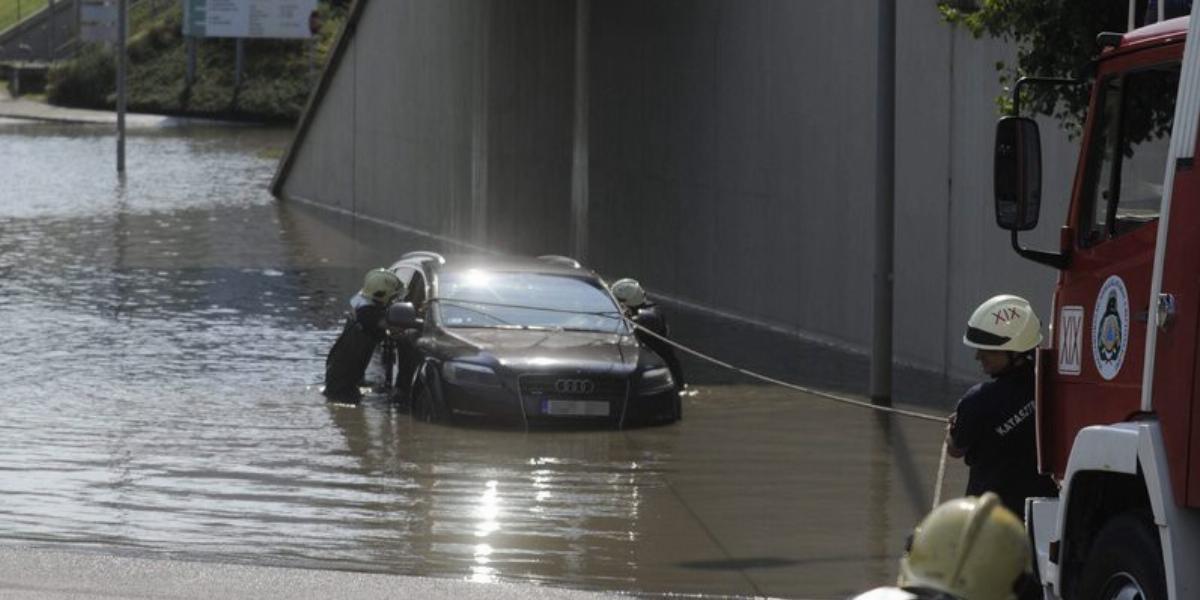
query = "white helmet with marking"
x=1005 y=323
x=629 y=292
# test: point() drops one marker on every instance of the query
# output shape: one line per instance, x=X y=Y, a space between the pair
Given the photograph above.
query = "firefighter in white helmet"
x=647 y=314
x=364 y=329
x=993 y=426
x=966 y=549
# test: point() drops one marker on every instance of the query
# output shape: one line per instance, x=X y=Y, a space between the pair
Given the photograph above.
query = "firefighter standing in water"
x=365 y=327
x=647 y=314
x=993 y=426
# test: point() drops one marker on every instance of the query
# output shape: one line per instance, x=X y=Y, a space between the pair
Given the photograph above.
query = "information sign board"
x=98 y=21
x=287 y=19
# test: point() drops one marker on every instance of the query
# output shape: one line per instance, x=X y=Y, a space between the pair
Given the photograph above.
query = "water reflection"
x=163 y=342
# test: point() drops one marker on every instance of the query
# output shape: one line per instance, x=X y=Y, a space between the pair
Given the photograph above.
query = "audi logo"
x=574 y=386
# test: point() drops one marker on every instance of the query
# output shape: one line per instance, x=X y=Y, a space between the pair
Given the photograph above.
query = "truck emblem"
x=1070 y=340
x=1110 y=327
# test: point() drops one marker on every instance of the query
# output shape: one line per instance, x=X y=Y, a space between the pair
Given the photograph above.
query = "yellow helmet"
x=1004 y=322
x=971 y=548
x=629 y=292
x=382 y=285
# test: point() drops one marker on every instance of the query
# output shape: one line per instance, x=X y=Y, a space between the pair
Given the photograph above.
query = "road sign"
x=248 y=18
x=98 y=21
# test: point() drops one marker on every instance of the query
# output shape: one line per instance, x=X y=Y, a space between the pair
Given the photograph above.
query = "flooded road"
x=163 y=342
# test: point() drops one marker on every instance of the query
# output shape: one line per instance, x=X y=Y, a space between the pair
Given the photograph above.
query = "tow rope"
x=941 y=472
x=799 y=388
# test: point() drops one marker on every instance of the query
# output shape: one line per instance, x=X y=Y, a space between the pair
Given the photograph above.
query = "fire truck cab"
x=1117 y=418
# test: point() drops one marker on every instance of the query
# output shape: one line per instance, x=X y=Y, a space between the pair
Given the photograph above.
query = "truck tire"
x=1125 y=562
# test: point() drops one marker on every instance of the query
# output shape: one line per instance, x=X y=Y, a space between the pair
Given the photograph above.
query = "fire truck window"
x=1129 y=152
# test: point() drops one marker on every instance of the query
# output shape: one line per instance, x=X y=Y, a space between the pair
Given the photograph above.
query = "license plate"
x=575 y=408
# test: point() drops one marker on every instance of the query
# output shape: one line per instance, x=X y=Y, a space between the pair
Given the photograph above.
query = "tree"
x=1054 y=38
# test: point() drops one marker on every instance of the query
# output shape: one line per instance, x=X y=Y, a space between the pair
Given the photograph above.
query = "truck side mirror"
x=1017 y=176
x=403 y=315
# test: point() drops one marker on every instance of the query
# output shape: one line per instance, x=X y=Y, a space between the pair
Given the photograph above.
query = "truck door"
x=1175 y=372
x=1103 y=297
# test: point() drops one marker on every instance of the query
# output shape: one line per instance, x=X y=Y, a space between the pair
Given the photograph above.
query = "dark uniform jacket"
x=995 y=426
x=649 y=316
x=351 y=353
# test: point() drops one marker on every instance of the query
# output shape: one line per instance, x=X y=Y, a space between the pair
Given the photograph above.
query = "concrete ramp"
x=46 y=35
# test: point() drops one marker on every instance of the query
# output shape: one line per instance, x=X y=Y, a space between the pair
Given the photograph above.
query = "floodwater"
x=163 y=343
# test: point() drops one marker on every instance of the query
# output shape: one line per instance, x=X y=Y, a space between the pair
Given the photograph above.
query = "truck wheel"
x=1125 y=562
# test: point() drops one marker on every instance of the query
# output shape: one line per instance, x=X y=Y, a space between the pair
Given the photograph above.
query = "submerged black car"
x=531 y=341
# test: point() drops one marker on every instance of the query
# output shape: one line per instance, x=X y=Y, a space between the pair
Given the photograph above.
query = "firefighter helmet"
x=382 y=286
x=971 y=548
x=629 y=292
x=1005 y=323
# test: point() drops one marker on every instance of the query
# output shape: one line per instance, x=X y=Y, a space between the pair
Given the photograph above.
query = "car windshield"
x=497 y=299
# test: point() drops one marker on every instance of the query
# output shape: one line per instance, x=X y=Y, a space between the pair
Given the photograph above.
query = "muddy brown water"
x=164 y=339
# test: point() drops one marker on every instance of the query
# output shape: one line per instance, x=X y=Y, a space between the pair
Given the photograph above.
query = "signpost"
x=122 y=35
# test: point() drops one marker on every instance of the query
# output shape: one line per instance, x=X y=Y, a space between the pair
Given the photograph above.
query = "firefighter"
x=969 y=548
x=993 y=426
x=364 y=329
x=647 y=314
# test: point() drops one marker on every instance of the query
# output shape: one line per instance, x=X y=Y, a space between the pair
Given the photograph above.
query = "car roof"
x=453 y=263
x=512 y=264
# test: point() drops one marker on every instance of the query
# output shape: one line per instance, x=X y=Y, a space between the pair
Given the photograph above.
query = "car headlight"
x=460 y=373
x=655 y=381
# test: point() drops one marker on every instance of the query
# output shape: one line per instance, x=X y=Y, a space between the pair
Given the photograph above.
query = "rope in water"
x=941 y=472
x=799 y=388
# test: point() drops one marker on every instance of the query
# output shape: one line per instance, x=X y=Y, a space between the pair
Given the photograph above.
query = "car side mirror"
x=1017 y=175
x=403 y=315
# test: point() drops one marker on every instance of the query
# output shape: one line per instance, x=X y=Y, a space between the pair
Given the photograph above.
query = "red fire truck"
x=1117 y=410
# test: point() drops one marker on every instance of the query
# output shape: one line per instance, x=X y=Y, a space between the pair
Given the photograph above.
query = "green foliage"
x=10 y=10
x=84 y=81
x=277 y=77
x=1054 y=38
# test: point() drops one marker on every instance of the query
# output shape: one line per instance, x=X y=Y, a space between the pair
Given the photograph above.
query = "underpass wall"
x=730 y=153
x=449 y=117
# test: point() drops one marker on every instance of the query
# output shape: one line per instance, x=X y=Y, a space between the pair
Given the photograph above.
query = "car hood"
x=526 y=350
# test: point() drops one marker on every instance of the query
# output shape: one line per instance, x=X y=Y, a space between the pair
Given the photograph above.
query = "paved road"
x=18 y=108
x=46 y=575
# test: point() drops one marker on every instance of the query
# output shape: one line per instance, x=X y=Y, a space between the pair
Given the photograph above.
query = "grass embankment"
x=276 y=79
x=12 y=11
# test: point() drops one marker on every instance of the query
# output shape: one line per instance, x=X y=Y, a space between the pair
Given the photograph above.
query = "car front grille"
x=579 y=387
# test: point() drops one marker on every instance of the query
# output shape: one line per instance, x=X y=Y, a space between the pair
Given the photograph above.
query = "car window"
x=481 y=298
x=1128 y=152
x=416 y=290
x=404 y=273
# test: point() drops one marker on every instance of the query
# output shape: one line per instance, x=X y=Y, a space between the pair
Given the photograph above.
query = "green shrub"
x=89 y=80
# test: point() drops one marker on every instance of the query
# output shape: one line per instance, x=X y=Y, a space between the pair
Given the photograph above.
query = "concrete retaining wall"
x=727 y=152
